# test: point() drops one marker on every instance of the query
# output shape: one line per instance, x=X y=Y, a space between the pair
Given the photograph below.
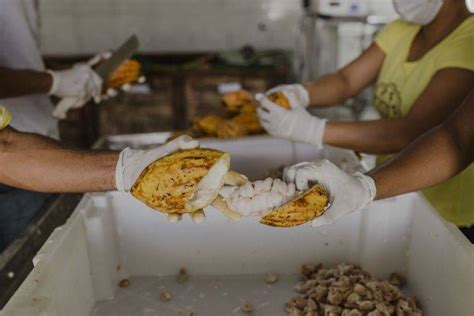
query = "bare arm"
x=14 y=83
x=36 y=163
x=435 y=157
x=347 y=82
x=449 y=86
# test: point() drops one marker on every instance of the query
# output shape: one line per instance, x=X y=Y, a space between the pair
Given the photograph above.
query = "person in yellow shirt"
x=436 y=156
x=36 y=163
x=423 y=68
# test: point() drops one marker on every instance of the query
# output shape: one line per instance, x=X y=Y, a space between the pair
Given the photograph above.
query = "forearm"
x=349 y=81
x=434 y=158
x=373 y=137
x=46 y=166
x=328 y=90
x=14 y=83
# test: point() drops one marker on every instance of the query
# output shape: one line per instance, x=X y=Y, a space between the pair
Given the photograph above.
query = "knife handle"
x=63 y=106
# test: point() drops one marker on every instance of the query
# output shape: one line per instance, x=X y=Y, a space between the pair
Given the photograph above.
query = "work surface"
x=112 y=236
x=203 y=295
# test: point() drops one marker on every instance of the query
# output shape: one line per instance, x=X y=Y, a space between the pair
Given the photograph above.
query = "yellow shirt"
x=5 y=117
x=400 y=83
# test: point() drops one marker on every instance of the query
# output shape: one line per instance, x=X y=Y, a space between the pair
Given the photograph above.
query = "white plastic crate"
x=112 y=236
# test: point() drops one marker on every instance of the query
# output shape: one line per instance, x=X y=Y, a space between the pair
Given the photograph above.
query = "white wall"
x=381 y=7
x=86 y=26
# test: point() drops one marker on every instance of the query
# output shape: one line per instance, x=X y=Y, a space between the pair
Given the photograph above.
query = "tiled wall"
x=87 y=26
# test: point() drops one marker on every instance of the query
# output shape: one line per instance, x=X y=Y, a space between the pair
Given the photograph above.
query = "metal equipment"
x=333 y=33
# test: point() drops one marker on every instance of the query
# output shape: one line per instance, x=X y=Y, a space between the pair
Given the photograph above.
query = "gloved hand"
x=132 y=162
x=94 y=62
x=346 y=193
x=296 y=124
x=296 y=94
x=79 y=82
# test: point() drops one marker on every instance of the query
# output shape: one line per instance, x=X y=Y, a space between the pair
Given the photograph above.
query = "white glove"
x=79 y=82
x=260 y=196
x=132 y=162
x=346 y=193
x=296 y=124
x=93 y=62
x=296 y=94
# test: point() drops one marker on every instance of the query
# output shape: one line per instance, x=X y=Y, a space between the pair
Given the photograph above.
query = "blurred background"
x=190 y=48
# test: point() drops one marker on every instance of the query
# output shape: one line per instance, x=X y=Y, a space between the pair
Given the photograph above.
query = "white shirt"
x=19 y=49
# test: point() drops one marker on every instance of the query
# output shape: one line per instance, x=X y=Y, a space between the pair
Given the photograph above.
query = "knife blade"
x=124 y=52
